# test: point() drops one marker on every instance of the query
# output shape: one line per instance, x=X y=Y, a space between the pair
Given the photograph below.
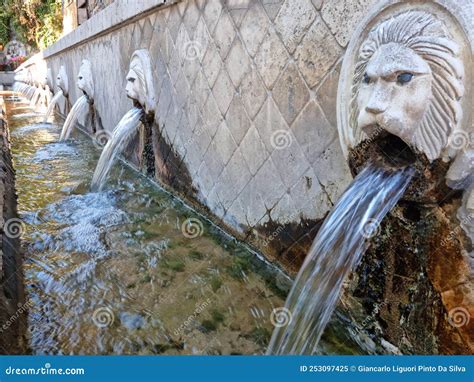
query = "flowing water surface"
x=129 y=270
x=132 y=270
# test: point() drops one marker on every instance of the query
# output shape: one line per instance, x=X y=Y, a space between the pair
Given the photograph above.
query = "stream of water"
x=132 y=270
x=121 y=137
x=77 y=110
x=52 y=104
x=129 y=270
x=336 y=251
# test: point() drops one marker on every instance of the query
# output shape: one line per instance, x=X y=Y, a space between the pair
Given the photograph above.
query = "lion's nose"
x=375 y=109
x=378 y=101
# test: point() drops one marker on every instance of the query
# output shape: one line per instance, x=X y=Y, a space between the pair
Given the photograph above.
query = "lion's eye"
x=131 y=80
x=404 y=78
x=366 y=79
x=80 y=77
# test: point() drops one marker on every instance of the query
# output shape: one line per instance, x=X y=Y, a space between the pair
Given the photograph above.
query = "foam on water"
x=54 y=150
x=29 y=128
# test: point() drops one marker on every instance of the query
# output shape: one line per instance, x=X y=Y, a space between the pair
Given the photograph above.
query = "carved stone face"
x=84 y=79
x=134 y=88
x=407 y=79
x=140 y=85
x=395 y=92
x=62 y=80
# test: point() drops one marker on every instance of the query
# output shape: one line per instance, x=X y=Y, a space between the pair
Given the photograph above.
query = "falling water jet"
x=140 y=90
x=85 y=84
x=52 y=104
x=336 y=251
x=78 y=109
x=121 y=137
x=36 y=96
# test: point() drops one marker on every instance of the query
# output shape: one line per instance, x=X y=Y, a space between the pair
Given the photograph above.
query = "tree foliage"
x=36 y=22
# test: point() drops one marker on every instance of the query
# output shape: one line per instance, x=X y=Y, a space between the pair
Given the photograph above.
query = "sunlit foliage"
x=36 y=22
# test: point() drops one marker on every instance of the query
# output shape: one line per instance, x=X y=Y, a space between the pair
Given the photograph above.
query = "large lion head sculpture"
x=62 y=80
x=408 y=80
x=85 y=80
x=140 y=87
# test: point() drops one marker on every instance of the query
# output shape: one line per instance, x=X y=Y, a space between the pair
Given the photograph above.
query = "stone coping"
x=114 y=16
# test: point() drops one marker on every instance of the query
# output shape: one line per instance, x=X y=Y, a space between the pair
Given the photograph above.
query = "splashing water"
x=121 y=136
x=116 y=273
x=78 y=109
x=335 y=252
x=36 y=97
x=51 y=105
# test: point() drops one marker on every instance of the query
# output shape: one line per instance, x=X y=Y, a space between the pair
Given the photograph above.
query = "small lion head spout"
x=49 y=79
x=140 y=86
x=62 y=81
x=85 y=80
x=409 y=82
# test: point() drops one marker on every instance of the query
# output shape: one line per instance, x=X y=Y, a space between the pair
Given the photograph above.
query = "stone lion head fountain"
x=50 y=79
x=140 y=87
x=85 y=81
x=405 y=95
x=409 y=81
x=62 y=81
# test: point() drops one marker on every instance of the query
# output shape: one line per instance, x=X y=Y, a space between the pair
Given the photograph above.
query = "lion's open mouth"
x=383 y=148
x=394 y=151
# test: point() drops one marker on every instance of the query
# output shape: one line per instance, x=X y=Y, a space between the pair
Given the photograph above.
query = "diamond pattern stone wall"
x=246 y=95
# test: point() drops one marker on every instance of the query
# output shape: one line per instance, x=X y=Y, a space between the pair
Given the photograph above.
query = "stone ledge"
x=12 y=306
x=115 y=15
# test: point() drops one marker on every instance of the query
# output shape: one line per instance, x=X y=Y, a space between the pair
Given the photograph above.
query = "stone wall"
x=246 y=106
x=12 y=307
x=246 y=128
